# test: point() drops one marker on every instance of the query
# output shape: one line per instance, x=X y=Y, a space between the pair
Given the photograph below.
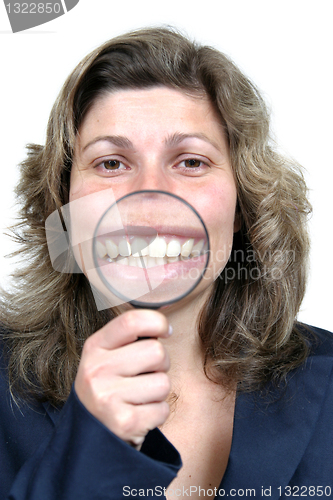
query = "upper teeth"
x=139 y=246
x=157 y=248
x=174 y=248
x=110 y=248
x=124 y=248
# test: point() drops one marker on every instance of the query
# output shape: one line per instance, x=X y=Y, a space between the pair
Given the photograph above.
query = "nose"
x=152 y=179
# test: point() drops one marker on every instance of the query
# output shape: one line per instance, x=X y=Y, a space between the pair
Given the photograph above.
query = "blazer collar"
x=53 y=412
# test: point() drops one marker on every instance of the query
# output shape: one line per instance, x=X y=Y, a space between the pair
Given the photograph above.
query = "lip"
x=143 y=230
x=130 y=280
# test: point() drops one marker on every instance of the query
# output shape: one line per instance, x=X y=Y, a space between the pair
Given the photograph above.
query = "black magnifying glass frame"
x=137 y=303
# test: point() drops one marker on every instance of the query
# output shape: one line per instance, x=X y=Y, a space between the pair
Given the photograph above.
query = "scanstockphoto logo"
x=24 y=15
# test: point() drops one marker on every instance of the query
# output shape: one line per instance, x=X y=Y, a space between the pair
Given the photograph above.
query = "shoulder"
x=320 y=341
x=288 y=430
x=315 y=375
x=304 y=388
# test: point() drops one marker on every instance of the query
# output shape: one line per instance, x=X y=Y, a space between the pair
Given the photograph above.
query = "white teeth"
x=187 y=247
x=157 y=253
x=173 y=259
x=132 y=261
x=123 y=262
x=141 y=261
x=139 y=247
x=173 y=249
x=196 y=250
x=151 y=262
x=100 y=249
x=157 y=247
x=144 y=261
x=112 y=249
x=160 y=261
x=124 y=248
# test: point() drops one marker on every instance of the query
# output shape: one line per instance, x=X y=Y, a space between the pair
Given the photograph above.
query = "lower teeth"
x=145 y=262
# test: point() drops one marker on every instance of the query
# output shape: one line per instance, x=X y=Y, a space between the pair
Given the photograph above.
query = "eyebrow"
x=178 y=137
x=171 y=141
x=117 y=140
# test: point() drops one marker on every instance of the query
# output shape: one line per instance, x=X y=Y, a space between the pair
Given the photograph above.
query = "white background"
x=284 y=46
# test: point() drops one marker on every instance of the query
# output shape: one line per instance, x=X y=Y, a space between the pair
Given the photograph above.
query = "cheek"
x=218 y=209
x=78 y=188
x=83 y=213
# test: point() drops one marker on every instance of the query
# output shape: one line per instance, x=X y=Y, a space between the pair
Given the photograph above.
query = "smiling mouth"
x=147 y=252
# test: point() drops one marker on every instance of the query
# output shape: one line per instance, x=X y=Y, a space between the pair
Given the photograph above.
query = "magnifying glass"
x=151 y=248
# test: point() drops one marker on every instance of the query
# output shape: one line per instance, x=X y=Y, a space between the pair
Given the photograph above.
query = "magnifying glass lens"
x=151 y=248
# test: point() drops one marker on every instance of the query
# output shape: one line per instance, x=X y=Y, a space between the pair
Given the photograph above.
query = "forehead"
x=159 y=109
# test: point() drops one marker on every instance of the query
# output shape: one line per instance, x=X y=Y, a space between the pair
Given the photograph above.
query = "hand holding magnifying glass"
x=150 y=249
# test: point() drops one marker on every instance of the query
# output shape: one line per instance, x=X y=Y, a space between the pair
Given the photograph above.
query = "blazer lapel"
x=53 y=413
x=269 y=439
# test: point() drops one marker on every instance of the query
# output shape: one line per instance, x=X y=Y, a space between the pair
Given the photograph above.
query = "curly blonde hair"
x=248 y=326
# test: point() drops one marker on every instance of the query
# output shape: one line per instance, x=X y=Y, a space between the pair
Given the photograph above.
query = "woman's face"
x=159 y=139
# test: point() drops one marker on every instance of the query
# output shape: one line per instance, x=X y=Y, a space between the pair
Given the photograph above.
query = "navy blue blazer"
x=280 y=449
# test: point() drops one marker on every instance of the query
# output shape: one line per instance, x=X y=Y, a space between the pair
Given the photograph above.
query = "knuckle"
x=110 y=400
x=163 y=383
x=89 y=345
x=125 y=422
x=86 y=379
x=94 y=377
x=85 y=374
x=90 y=373
x=107 y=407
x=129 y=320
x=164 y=412
x=158 y=352
x=165 y=323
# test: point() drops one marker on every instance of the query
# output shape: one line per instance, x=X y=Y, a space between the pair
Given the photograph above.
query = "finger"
x=151 y=415
x=134 y=422
x=158 y=413
x=145 y=389
x=130 y=326
x=104 y=368
x=133 y=359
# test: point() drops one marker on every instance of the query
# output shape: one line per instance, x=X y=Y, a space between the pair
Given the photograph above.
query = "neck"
x=184 y=345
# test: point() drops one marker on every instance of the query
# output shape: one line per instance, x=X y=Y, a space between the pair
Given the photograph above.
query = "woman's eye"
x=195 y=164
x=192 y=166
x=110 y=167
x=111 y=164
x=192 y=163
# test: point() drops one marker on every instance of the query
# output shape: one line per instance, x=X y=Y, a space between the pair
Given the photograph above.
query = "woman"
x=240 y=389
